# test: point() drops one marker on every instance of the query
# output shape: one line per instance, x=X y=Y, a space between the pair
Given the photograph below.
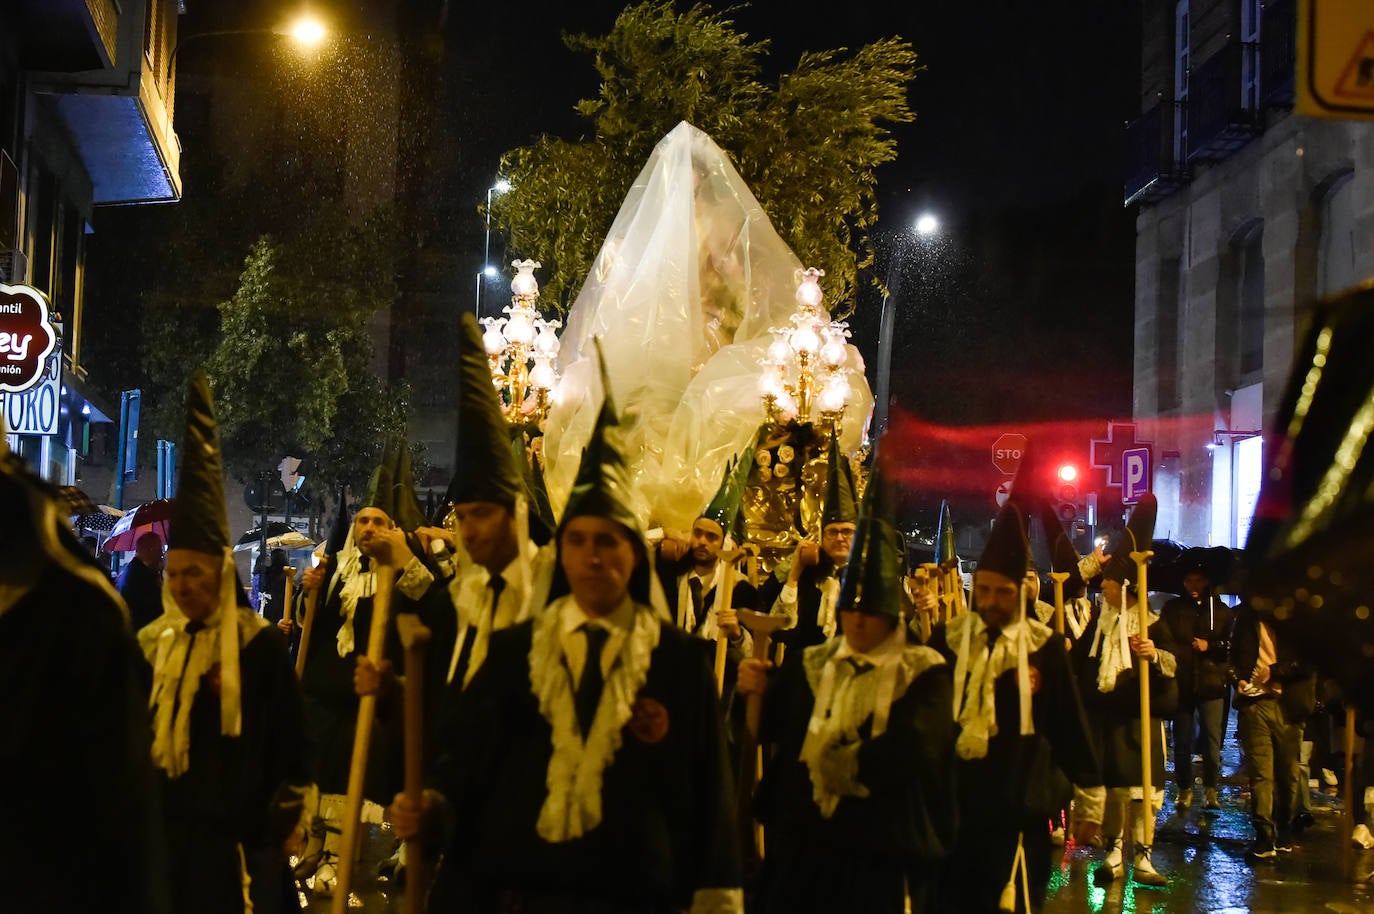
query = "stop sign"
x=1007 y=451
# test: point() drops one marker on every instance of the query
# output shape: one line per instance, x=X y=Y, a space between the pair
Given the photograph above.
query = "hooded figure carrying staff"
x=1023 y=741
x=227 y=732
x=584 y=766
x=859 y=798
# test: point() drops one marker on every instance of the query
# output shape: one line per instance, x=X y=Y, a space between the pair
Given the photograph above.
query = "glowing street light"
x=306 y=31
x=500 y=187
x=1068 y=473
x=927 y=225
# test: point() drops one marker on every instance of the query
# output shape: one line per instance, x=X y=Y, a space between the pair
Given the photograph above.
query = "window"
x=1182 y=60
x=1250 y=301
x=1249 y=55
x=1336 y=254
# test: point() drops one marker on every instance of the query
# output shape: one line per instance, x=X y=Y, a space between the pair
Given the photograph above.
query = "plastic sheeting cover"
x=683 y=293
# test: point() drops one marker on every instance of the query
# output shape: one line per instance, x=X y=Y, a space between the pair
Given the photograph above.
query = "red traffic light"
x=1068 y=473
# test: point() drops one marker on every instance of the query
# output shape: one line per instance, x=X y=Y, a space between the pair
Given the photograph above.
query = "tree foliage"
x=808 y=147
x=291 y=369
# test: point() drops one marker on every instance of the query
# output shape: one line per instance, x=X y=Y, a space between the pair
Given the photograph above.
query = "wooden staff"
x=761 y=626
x=1059 y=577
x=414 y=639
x=286 y=597
x=725 y=593
x=357 y=769
x=312 y=600
x=922 y=585
x=1348 y=789
x=1143 y=603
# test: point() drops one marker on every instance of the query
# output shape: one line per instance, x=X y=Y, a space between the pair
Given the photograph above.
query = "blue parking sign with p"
x=1135 y=474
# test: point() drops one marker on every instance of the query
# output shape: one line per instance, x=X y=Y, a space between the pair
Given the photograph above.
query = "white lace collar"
x=573 y=805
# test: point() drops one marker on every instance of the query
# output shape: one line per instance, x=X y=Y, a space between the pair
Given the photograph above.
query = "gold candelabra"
x=521 y=349
x=805 y=374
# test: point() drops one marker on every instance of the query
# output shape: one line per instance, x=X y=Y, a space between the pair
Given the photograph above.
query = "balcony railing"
x=1278 y=52
x=1219 y=123
x=1152 y=171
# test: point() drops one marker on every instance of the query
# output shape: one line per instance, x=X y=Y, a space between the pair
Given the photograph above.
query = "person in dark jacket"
x=140 y=582
x=1201 y=627
x=1275 y=693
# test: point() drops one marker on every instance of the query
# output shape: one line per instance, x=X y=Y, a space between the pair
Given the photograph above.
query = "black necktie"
x=993 y=635
x=460 y=672
x=694 y=585
x=589 y=688
x=860 y=666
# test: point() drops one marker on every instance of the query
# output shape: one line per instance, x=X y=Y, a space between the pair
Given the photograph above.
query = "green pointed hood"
x=945 y=554
x=1007 y=550
x=338 y=533
x=200 y=519
x=1138 y=536
x=407 y=512
x=604 y=486
x=725 y=505
x=483 y=466
x=380 y=489
x=872 y=582
x=839 y=491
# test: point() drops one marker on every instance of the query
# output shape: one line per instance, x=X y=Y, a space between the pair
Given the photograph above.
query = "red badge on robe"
x=648 y=720
x=1034 y=679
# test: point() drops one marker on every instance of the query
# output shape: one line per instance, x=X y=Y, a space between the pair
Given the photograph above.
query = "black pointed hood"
x=1007 y=550
x=840 y=507
x=542 y=519
x=1137 y=537
x=406 y=510
x=483 y=466
x=872 y=582
x=381 y=488
x=725 y=505
x=1063 y=556
x=200 y=518
x=604 y=486
x=338 y=533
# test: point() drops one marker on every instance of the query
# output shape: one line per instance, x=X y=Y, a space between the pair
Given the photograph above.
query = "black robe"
x=82 y=813
x=668 y=822
x=141 y=588
x=807 y=631
x=1020 y=783
x=227 y=796
x=1115 y=716
x=860 y=857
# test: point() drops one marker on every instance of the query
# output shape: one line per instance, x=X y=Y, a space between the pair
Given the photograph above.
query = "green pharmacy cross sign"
x=27 y=337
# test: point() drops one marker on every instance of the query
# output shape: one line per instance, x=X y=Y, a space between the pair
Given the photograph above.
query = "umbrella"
x=151 y=517
x=1174 y=560
x=279 y=536
x=75 y=501
x=102 y=519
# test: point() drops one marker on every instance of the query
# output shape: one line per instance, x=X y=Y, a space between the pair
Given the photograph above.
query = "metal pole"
x=885 y=326
x=486 y=255
x=122 y=449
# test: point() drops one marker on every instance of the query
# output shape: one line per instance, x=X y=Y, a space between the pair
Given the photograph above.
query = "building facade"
x=85 y=122
x=1248 y=214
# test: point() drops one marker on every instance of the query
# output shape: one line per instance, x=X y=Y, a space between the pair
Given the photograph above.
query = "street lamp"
x=926 y=228
x=489 y=271
x=306 y=31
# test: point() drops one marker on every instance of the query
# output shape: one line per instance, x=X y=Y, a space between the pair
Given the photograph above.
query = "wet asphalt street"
x=1203 y=856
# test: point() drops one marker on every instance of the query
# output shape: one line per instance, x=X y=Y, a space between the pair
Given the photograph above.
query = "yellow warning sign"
x=1335 y=65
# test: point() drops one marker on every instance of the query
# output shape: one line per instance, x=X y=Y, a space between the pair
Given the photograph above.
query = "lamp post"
x=488 y=271
x=305 y=31
x=926 y=228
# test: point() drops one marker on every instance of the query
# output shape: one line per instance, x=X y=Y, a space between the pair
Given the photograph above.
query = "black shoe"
x=1283 y=845
x=1262 y=852
x=1302 y=821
